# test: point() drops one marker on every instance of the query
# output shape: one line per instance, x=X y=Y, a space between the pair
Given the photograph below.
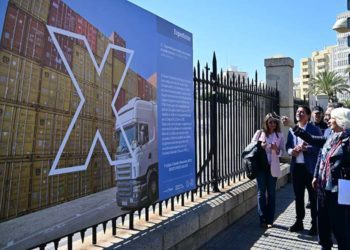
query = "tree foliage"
x=329 y=83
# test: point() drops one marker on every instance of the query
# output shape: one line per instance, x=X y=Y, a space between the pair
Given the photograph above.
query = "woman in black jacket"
x=333 y=164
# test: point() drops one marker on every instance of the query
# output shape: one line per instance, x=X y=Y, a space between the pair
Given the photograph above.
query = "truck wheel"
x=153 y=188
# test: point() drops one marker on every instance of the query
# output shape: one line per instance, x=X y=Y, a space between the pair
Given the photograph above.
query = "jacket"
x=272 y=157
x=340 y=158
x=311 y=153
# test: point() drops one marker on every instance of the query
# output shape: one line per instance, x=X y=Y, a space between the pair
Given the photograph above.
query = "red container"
x=83 y=27
x=143 y=88
x=23 y=34
x=61 y=16
x=34 y=41
x=120 y=102
x=14 y=29
x=51 y=57
x=118 y=40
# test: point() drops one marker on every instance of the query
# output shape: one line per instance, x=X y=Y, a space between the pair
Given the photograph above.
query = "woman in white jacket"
x=272 y=141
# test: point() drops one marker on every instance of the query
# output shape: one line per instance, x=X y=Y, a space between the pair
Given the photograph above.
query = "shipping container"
x=23 y=34
x=118 y=68
x=74 y=100
x=44 y=133
x=88 y=133
x=30 y=76
x=14 y=30
x=52 y=58
x=88 y=92
x=106 y=129
x=3 y=177
x=25 y=5
x=107 y=108
x=16 y=189
x=130 y=83
x=83 y=27
x=40 y=9
x=7 y=119
x=37 y=8
x=40 y=184
x=104 y=80
x=74 y=141
x=61 y=123
x=10 y=66
x=102 y=43
x=118 y=40
x=121 y=100
x=55 y=90
x=34 y=39
x=61 y=16
x=23 y=132
x=83 y=67
x=144 y=88
x=72 y=182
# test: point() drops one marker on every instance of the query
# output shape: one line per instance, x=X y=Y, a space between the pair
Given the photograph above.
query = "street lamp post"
x=342 y=25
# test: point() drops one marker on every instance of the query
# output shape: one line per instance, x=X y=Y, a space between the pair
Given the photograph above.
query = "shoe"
x=308 y=205
x=297 y=226
x=269 y=226
x=312 y=231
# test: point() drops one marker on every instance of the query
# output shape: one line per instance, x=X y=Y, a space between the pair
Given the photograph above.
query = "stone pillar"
x=280 y=70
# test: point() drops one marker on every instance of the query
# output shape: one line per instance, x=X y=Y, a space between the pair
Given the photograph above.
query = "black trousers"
x=335 y=218
x=302 y=180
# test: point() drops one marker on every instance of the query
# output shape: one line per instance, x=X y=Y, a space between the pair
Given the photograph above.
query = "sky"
x=244 y=33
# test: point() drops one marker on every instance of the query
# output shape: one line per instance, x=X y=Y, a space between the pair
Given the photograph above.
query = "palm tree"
x=328 y=83
x=346 y=103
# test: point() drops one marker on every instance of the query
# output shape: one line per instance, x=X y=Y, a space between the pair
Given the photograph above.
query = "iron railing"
x=228 y=110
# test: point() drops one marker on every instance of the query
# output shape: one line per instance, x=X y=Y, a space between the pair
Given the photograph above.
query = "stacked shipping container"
x=38 y=101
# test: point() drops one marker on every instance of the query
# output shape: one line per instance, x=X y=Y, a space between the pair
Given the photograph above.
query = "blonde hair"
x=342 y=117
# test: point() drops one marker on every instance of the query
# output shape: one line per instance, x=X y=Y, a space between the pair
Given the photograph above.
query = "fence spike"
x=256 y=77
x=139 y=213
x=114 y=226
x=104 y=225
x=123 y=219
x=82 y=235
x=214 y=67
x=55 y=242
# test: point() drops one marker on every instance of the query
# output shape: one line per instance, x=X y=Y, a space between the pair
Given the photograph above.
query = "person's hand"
x=295 y=152
x=303 y=147
x=274 y=146
x=287 y=121
x=314 y=183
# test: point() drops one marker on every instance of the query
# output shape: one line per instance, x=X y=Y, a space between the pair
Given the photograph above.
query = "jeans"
x=266 y=205
x=302 y=179
x=335 y=218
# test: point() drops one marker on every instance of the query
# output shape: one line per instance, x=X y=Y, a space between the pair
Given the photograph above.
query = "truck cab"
x=137 y=171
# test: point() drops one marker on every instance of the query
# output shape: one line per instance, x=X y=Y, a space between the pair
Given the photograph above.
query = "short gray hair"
x=342 y=117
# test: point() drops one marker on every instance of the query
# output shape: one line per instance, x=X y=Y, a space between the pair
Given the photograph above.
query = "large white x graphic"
x=54 y=170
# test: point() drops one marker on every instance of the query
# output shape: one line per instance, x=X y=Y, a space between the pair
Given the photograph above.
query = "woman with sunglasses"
x=272 y=141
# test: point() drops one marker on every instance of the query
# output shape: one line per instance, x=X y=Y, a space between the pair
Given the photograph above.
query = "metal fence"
x=228 y=111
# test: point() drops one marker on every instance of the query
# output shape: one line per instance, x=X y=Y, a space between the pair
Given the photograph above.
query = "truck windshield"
x=131 y=134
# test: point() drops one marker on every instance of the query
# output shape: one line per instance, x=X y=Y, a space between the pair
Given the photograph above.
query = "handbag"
x=254 y=158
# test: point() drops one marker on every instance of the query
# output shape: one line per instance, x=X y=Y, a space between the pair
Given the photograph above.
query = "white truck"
x=137 y=177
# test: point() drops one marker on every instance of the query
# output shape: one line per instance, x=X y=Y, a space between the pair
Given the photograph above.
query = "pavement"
x=247 y=234
x=32 y=229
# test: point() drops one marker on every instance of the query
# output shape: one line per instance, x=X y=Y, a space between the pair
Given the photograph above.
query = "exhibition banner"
x=93 y=95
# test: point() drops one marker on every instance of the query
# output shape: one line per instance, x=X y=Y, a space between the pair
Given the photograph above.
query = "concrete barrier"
x=197 y=224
